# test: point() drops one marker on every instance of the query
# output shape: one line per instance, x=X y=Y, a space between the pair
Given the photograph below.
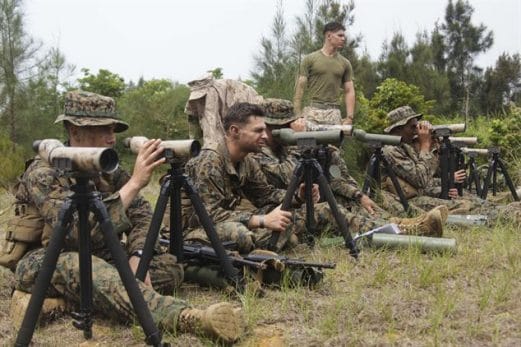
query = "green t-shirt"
x=326 y=75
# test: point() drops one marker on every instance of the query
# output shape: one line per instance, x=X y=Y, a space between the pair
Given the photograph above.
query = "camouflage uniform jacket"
x=278 y=168
x=46 y=188
x=416 y=168
x=222 y=186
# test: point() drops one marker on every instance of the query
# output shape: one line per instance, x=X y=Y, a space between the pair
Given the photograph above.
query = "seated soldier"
x=278 y=163
x=91 y=120
x=415 y=165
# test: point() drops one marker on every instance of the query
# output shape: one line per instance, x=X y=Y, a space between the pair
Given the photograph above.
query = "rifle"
x=269 y=266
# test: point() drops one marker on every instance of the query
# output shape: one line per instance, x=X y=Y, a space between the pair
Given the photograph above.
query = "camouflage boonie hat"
x=400 y=116
x=278 y=111
x=90 y=109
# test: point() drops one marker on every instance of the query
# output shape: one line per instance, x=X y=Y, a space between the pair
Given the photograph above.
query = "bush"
x=12 y=160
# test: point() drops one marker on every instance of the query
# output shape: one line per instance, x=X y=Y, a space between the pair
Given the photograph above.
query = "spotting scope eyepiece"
x=77 y=158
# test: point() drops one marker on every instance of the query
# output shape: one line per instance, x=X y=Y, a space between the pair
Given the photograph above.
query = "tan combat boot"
x=51 y=308
x=429 y=224
x=220 y=321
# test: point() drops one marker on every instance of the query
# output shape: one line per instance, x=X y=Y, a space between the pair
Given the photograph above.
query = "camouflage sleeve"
x=208 y=175
x=48 y=190
x=139 y=213
x=418 y=174
x=343 y=185
x=257 y=188
x=278 y=173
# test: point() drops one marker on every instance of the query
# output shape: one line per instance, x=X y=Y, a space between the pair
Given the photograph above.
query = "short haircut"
x=240 y=112
x=333 y=27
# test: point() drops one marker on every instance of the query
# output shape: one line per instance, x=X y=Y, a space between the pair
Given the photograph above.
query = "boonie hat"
x=91 y=109
x=400 y=116
x=278 y=111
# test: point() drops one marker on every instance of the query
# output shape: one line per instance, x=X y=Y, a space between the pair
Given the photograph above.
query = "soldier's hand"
x=347 y=121
x=460 y=175
x=453 y=193
x=298 y=125
x=277 y=219
x=315 y=192
x=134 y=262
x=146 y=161
x=424 y=135
x=368 y=204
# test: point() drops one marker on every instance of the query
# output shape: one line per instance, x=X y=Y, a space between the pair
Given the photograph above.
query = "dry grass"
x=385 y=298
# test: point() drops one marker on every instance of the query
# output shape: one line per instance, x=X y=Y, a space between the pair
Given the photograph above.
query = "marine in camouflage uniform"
x=45 y=189
x=236 y=193
x=416 y=168
x=278 y=163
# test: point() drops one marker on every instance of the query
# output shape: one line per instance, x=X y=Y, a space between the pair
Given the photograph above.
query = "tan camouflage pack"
x=24 y=231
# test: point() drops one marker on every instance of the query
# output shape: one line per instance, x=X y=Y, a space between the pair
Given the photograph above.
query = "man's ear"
x=234 y=131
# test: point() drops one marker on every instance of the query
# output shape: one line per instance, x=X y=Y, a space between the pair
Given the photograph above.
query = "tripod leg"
x=226 y=264
x=507 y=179
x=176 y=222
x=43 y=280
x=486 y=183
x=370 y=174
x=311 y=225
x=396 y=184
x=494 y=177
x=286 y=203
x=153 y=336
x=153 y=231
x=83 y=319
x=340 y=220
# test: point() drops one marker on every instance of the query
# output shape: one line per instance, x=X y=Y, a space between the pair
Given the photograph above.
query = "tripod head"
x=81 y=159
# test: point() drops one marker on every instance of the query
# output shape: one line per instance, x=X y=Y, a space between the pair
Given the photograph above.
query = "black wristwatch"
x=358 y=196
x=138 y=253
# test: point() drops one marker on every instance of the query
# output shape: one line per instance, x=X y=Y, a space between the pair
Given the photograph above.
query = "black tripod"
x=84 y=200
x=373 y=177
x=171 y=188
x=474 y=177
x=308 y=170
x=493 y=163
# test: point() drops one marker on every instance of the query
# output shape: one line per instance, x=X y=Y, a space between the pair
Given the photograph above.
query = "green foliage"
x=156 y=110
x=389 y=95
x=104 y=83
x=12 y=162
x=463 y=41
x=506 y=133
x=502 y=83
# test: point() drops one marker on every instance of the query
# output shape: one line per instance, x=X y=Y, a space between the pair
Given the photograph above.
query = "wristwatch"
x=358 y=196
x=138 y=253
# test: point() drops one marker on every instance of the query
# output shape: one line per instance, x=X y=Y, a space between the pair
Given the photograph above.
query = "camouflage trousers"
x=322 y=116
x=109 y=295
x=248 y=239
x=469 y=204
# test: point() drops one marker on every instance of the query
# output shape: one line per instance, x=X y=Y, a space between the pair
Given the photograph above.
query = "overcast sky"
x=181 y=39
